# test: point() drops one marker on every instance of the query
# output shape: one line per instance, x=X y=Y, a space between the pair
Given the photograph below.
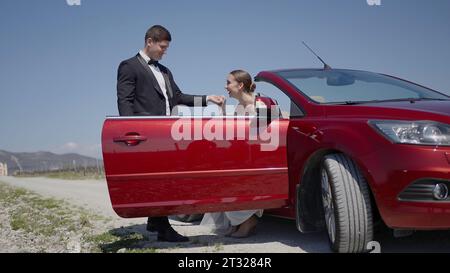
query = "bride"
x=237 y=224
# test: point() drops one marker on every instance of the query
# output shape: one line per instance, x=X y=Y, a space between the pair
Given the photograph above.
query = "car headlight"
x=414 y=132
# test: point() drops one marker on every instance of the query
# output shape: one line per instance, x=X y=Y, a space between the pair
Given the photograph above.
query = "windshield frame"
x=281 y=74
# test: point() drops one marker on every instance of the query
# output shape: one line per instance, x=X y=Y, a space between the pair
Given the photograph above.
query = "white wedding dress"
x=220 y=222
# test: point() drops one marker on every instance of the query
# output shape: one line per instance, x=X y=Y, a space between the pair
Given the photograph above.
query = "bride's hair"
x=245 y=78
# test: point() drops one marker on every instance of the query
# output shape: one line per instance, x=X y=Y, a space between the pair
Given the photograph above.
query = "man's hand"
x=219 y=100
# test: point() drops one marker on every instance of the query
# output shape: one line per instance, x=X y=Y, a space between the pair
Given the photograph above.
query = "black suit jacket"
x=139 y=94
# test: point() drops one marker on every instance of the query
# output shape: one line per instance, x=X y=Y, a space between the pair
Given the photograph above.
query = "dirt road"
x=274 y=234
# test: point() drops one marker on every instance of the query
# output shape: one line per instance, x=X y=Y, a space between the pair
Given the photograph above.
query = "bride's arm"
x=222 y=108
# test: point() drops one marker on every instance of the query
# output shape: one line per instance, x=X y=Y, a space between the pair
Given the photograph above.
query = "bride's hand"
x=219 y=100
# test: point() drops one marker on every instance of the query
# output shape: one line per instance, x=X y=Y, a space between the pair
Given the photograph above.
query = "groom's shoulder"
x=128 y=65
x=131 y=60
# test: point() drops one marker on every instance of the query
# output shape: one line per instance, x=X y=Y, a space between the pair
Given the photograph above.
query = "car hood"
x=436 y=107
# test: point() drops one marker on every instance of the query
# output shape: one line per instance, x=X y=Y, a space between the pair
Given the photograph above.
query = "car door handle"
x=130 y=140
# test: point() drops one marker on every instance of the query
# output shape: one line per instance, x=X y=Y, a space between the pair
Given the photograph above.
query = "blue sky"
x=59 y=63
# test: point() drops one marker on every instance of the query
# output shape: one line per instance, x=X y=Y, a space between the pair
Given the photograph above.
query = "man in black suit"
x=147 y=88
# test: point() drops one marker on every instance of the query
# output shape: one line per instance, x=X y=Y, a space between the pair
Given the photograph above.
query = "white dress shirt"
x=160 y=78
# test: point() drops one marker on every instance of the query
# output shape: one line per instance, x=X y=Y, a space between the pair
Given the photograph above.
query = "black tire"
x=188 y=217
x=350 y=204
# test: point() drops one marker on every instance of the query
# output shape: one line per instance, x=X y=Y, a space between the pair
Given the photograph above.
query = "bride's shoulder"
x=250 y=109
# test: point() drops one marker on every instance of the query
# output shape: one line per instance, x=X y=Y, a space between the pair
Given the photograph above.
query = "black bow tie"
x=153 y=62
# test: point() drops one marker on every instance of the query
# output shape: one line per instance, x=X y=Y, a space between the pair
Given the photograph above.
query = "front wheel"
x=346 y=204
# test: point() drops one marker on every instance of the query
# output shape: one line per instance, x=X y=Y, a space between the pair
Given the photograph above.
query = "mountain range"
x=46 y=161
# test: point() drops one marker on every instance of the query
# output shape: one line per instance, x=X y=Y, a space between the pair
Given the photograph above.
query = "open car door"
x=158 y=166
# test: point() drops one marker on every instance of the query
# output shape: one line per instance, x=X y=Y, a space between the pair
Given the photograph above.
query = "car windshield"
x=339 y=86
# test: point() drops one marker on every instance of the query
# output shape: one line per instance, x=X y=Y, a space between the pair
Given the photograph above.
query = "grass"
x=74 y=176
x=218 y=247
x=47 y=217
x=66 y=175
x=20 y=222
x=113 y=241
x=56 y=222
x=36 y=214
x=9 y=195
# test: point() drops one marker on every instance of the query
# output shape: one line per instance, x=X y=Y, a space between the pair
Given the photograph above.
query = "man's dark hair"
x=158 y=33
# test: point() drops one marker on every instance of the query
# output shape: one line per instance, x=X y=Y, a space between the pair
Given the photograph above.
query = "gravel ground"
x=91 y=196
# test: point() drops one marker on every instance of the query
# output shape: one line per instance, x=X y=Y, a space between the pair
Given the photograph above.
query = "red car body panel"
x=161 y=176
x=164 y=177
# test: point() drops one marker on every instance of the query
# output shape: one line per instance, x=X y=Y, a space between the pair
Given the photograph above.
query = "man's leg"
x=157 y=223
x=165 y=231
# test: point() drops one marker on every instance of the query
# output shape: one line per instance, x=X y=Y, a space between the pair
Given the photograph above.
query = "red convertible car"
x=342 y=149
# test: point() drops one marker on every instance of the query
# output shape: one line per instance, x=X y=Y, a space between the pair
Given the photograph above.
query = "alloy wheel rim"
x=328 y=207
